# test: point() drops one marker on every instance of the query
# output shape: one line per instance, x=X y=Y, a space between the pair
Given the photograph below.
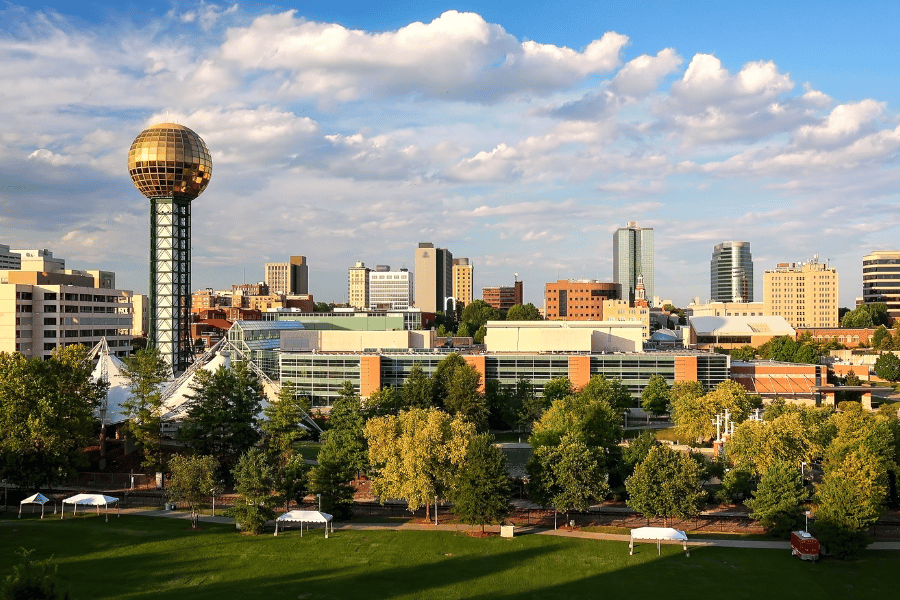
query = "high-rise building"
x=390 y=290
x=881 y=280
x=40 y=260
x=503 y=297
x=579 y=300
x=731 y=273
x=633 y=257
x=463 y=272
x=41 y=310
x=358 y=285
x=288 y=278
x=434 y=277
x=805 y=294
x=170 y=165
x=9 y=259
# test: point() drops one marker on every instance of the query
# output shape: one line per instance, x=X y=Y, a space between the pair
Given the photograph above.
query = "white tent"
x=177 y=402
x=119 y=391
x=305 y=516
x=35 y=499
x=658 y=534
x=97 y=500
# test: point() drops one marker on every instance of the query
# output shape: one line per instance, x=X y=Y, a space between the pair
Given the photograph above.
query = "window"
x=49 y=320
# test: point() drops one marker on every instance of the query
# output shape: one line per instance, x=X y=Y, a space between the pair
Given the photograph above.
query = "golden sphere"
x=169 y=160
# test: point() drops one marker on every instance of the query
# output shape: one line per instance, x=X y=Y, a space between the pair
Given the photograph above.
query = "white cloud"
x=458 y=56
x=642 y=75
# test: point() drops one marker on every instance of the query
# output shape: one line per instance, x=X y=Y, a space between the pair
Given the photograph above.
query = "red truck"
x=804 y=545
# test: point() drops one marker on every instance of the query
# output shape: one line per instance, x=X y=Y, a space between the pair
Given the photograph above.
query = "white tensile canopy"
x=119 y=388
x=97 y=500
x=35 y=499
x=305 y=516
x=658 y=534
x=175 y=407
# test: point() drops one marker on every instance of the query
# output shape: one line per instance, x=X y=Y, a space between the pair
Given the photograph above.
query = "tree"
x=694 y=416
x=556 y=388
x=292 y=480
x=655 y=397
x=33 y=580
x=888 y=366
x=745 y=353
x=481 y=491
x=417 y=390
x=331 y=477
x=221 y=417
x=478 y=312
x=193 y=481
x=385 y=401
x=567 y=476
x=842 y=520
x=443 y=374
x=322 y=307
x=737 y=486
x=592 y=421
x=414 y=455
x=776 y=504
x=46 y=415
x=146 y=372
x=254 y=483
x=283 y=424
x=636 y=451
x=666 y=484
x=463 y=397
x=866 y=315
x=757 y=446
x=531 y=407
x=479 y=336
x=526 y=312
x=610 y=390
x=882 y=339
x=345 y=435
x=852 y=379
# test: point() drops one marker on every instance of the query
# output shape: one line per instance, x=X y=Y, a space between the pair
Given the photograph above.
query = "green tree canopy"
x=193 y=480
x=776 y=504
x=46 y=415
x=866 y=315
x=283 y=426
x=146 y=371
x=745 y=353
x=888 y=366
x=694 y=416
x=556 y=388
x=221 y=417
x=524 y=312
x=567 y=476
x=463 y=396
x=481 y=491
x=417 y=390
x=477 y=313
x=255 y=484
x=414 y=455
x=655 y=397
x=666 y=484
x=590 y=420
x=610 y=390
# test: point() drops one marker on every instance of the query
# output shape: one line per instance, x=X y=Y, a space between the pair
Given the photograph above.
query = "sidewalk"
x=693 y=542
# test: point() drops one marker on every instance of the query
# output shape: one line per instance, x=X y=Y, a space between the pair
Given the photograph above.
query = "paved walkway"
x=414 y=526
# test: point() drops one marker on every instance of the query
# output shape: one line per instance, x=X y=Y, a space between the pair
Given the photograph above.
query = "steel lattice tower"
x=171 y=166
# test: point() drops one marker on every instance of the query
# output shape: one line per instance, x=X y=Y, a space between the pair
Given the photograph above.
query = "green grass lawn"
x=142 y=557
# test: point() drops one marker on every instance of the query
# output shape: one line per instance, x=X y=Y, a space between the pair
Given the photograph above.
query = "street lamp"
x=807 y=521
x=319 y=496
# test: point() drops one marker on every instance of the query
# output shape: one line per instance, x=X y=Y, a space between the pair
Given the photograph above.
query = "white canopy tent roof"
x=176 y=405
x=658 y=534
x=97 y=500
x=305 y=516
x=119 y=389
x=34 y=499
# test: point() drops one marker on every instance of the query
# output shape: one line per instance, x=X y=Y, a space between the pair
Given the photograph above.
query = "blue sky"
x=518 y=134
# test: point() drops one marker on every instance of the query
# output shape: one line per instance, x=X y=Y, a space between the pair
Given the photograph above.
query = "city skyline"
x=523 y=143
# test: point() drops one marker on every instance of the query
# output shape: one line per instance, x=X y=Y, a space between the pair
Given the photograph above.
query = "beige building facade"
x=358 y=285
x=620 y=311
x=805 y=294
x=288 y=278
x=563 y=336
x=433 y=277
x=463 y=278
x=41 y=311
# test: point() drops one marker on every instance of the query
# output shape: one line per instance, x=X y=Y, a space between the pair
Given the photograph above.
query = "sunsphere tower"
x=170 y=165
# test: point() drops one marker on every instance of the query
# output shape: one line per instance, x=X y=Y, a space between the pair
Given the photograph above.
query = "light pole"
x=435 y=510
x=319 y=496
x=807 y=521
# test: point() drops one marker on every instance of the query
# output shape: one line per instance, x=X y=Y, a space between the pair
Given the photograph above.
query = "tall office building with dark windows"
x=632 y=258
x=881 y=280
x=731 y=273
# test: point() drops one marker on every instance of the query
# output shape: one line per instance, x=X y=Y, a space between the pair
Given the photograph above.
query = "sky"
x=518 y=134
